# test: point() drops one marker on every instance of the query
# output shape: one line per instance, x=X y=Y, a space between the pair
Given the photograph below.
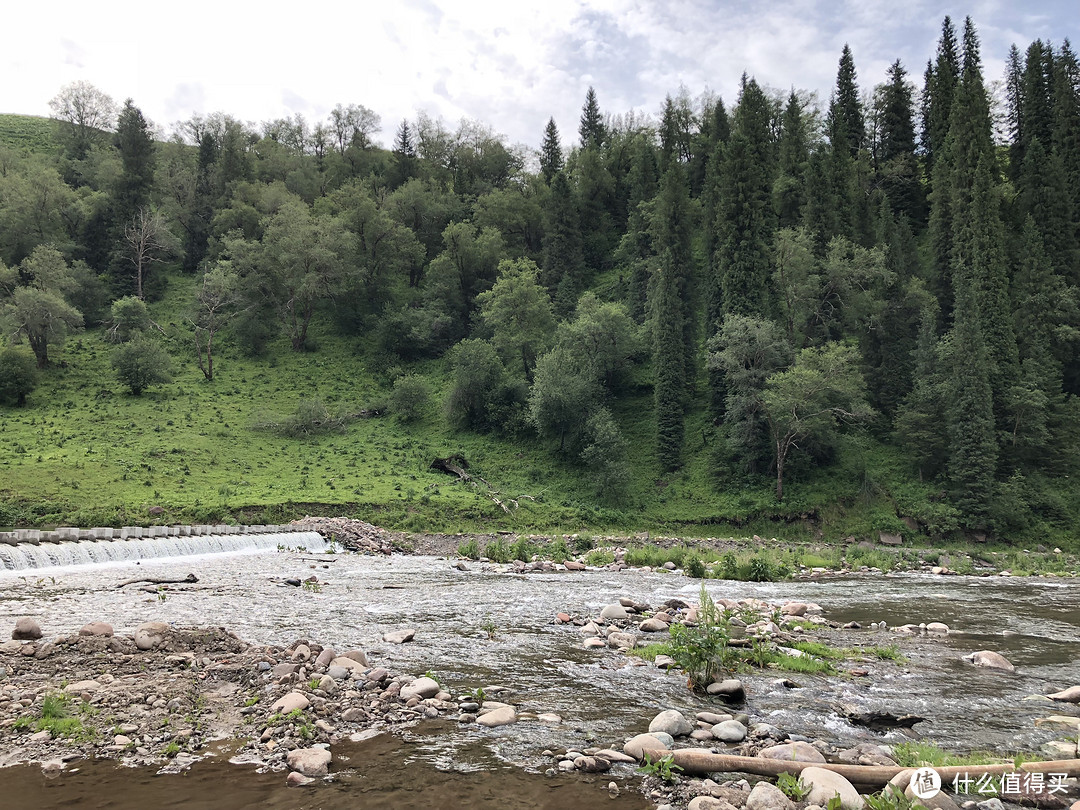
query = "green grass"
x=915 y=754
x=59 y=718
x=85 y=452
x=27 y=132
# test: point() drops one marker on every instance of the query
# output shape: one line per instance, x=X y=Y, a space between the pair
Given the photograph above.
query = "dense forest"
x=886 y=281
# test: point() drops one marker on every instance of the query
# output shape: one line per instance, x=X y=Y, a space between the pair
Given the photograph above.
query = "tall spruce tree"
x=898 y=170
x=563 y=272
x=138 y=156
x=551 y=156
x=850 y=121
x=673 y=333
x=940 y=86
x=789 y=191
x=591 y=129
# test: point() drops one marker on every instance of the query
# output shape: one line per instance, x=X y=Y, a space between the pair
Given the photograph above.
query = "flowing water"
x=484 y=627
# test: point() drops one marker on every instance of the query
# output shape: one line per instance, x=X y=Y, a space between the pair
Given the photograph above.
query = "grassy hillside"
x=86 y=452
x=28 y=132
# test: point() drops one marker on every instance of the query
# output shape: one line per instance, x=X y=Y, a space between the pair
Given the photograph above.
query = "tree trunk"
x=780 y=454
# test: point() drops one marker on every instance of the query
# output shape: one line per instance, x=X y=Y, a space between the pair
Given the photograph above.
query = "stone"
x=824 y=785
x=671 y=722
x=549 y=717
x=399 y=636
x=312 y=762
x=614 y=612
x=573 y=565
x=338 y=673
x=990 y=660
x=502 y=716
x=79 y=687
x=664 y=662
x=653 y=743
x=323 y=659
x=290 y=702
x=712 y=718
x=767 y=796
x=592 y=764
x=26 y=629
x=379 y=674
x=708 y=803
x=890 y=539
x=940 y=628
x=622 y=641
x=591 y=643
x=150 y=635
x=295 y=779
x=1070 y=695
x=729 y=731
x=356 y=655
x=284 y=669
x=423 y=687
x=730 y=690
x=794 y=609
x=301 y=653
x=792 y=752
x=653 y=625
x=96 y=629
x=613 y=756
x=1059 y=721
x=351 y=664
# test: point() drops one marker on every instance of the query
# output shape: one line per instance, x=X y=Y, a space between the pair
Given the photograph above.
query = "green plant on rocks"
x=664 y=769
x=702 y=652
x=891 y=798
x=793 y=787
x=469 y=549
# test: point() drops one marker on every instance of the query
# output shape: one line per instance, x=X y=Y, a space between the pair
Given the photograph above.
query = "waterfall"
x=39 y=555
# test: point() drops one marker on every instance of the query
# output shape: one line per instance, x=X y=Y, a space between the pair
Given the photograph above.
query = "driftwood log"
x=150 y=581
x=703 y=761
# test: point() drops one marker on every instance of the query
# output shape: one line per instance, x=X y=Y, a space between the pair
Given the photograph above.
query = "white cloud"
x=509 y=64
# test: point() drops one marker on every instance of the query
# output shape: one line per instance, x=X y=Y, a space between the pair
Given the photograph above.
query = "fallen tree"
x=151 y=581
x=703 y=761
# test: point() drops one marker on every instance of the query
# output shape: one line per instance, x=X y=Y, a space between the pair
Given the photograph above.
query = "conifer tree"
x=789 y=191
x=672 y=318
x=938 y=91
x=551 y=157
x=591 y=129
x=849 y=117
x=898 y=170
x=137 y=161
x=563 y=271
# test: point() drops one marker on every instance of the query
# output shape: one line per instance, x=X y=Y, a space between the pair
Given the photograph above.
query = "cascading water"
x=40 y=557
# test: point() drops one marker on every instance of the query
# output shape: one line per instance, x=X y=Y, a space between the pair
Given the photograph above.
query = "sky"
x=510 y=64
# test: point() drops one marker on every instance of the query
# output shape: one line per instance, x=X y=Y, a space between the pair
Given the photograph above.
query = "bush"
x=311 y=418
x=128 y=317
x=140 y=363
x=410 y=398
x=18 y=376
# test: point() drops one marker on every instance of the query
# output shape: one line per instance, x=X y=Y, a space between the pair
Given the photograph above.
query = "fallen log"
x=702 y=761
x=151 y=581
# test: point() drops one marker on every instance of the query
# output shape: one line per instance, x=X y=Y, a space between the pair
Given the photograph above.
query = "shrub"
x=18 y=376
x=410 y=398
x=140 y=363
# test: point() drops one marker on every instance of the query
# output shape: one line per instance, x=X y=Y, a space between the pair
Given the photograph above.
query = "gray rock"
x=150 y=635
x=622 y=641
x=990 y=660
x=423 y=687
x=653 y=625
x=767 y=796
x=671 y=722
x=730 y=690
x=591 y=764
x=311 y=762
x=712 y=718
x=502 y=716
x=399 y=636
x=824 y=785
x=290 y=702
x=96 y=629
x=325 y=657
x=1070 y=695
x=938 y=628
x=729 y=731
x=792 y=752
x=708 y=803
x=338 y=673
x=354 y=655
x=26 y=629
x=654 y=743
x=351 y=664
x=614 y=612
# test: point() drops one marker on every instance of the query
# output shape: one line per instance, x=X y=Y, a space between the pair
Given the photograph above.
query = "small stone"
x=290 y=702
x=79 y=687
x=1070 y=695
x=729 y=731
x=712 y=718
x=301 y=653
x=295 y=779
x=990 y=660
x=767 y=796
x=573 y=565
x=593 y=643
x=399 y=636
x=423 y=687
x=730 y=690
x=312 y=762
x=96 y=629
x=671 y=722
x=653 y=625
x=502 y=716
x=549 y=717
x=356 y=655
x=614 y=612
x=26 y=629
x=591 y=764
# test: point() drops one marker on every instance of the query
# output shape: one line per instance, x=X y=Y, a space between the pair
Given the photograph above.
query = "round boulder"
x=671 y=722
x=824 y=785
x=651 y=744
x=767 y=796
x=729 y=731
x=311 y=762
x=792 y=752
x=423 y=687
x=290 y=702
x=96 y=629
x=26 y=629
x=614 y=612
x=150 y=635
x=990 y=660
x=729 y=691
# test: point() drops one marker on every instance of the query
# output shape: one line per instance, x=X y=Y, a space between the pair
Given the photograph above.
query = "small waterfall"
x=30 y=556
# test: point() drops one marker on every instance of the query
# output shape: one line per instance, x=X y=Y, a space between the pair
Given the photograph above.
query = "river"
x=485 y=626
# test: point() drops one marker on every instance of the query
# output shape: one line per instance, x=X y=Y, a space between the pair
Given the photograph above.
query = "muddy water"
x=483 y=627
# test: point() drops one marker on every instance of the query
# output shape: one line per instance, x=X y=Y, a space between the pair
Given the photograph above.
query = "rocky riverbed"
x=160 y=692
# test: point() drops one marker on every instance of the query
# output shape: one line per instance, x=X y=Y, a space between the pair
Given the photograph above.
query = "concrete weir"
x=35 y=549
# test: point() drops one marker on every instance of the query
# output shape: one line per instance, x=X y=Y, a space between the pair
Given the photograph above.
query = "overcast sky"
x=511 y=64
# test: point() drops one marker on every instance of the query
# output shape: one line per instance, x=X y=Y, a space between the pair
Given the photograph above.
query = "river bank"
x=202 y=683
